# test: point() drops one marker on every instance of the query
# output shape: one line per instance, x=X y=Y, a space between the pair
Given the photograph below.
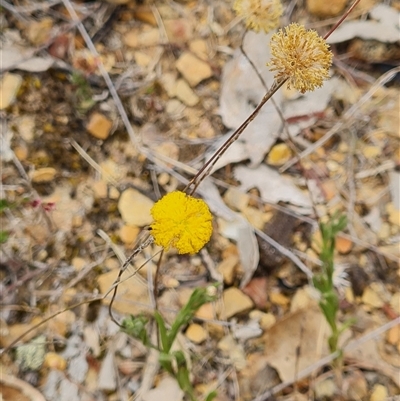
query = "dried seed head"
x=259 y=14
x=303 y=57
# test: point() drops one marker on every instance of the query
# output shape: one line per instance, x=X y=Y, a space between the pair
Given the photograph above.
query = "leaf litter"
x=50 y=222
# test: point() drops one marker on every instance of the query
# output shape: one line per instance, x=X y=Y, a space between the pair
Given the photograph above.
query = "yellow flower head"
x=181 y=221
x=300 y=56
x=259 y=14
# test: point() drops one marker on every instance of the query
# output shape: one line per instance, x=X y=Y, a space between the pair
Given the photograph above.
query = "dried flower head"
x=259 y=14
x=181 y=221
x=303 y=57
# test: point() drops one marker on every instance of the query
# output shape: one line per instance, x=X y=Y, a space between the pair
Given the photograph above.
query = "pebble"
x=179 y=30
x=235 y=302
x=54 y=361
x=233 y=350
x=26 y=127
x=185 y=93
x=393 y=335
x=174 y=108
x=145 y=38
x=237 y=200
x=135 y=208
x=193 y=69
x=357 y=386
x=99 y=126
x=278 y=298
x=199 y=48
x=196 y=333
x=324 y=389
x=142 y=59
x=324 y=9
x=169 y=149
x=303 y=298
x=267 y=321
x=45 y=174
x=257 y=290
x=343 y=245
x=100 y=189
x=279 y=155
x=371 y=298
x=379 y=393
x=128 y=234
x=395 y=302
x=38 y=32
x=9 y=86
x=228 y=268
x=78 y=263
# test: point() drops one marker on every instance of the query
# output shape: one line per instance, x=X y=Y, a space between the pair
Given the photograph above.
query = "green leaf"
x=136 y=328
x=165 y=342
x=3 y=236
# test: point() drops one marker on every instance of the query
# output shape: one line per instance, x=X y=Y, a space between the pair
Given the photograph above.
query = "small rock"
x=357 y=386
x=256 y=289
x=267 y=321
x=178 y=30
x=235 y=302
x=228 y=268
x=142 y=59
x=135 y=208
x=393 y=214
x=193 y=69
x=99 y=126
x=371 y=298
x=206 y=312
x=38 y=32
x=256 y=217
x=169 y=149
x=329 y=189
x=26 y=127
x=9 y=86
x=237 y=200
x=324 y=389
x=395 y=302
x=128 y=234
x=21 y=152
x=343 y=245
x=205 y=129
x=379 y=393
x=302 y=299
x=107 y=380
x=234 y=351
x=114 y=193
x=325 y=9
x=199 y=48
x=278 y=298
x=185 y=94
x=78 y=263
x=174 y=108
x=145 y=14
x=196 y=333
x=100 y=189
x=146 y=38
x=54 y=361
x=393 y=335
x=167 y=390
x=279 y=155
x=371 y=152
x=45 y=174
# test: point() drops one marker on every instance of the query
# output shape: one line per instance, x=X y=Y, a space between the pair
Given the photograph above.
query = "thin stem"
x=344 y=16
x=205 y=170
